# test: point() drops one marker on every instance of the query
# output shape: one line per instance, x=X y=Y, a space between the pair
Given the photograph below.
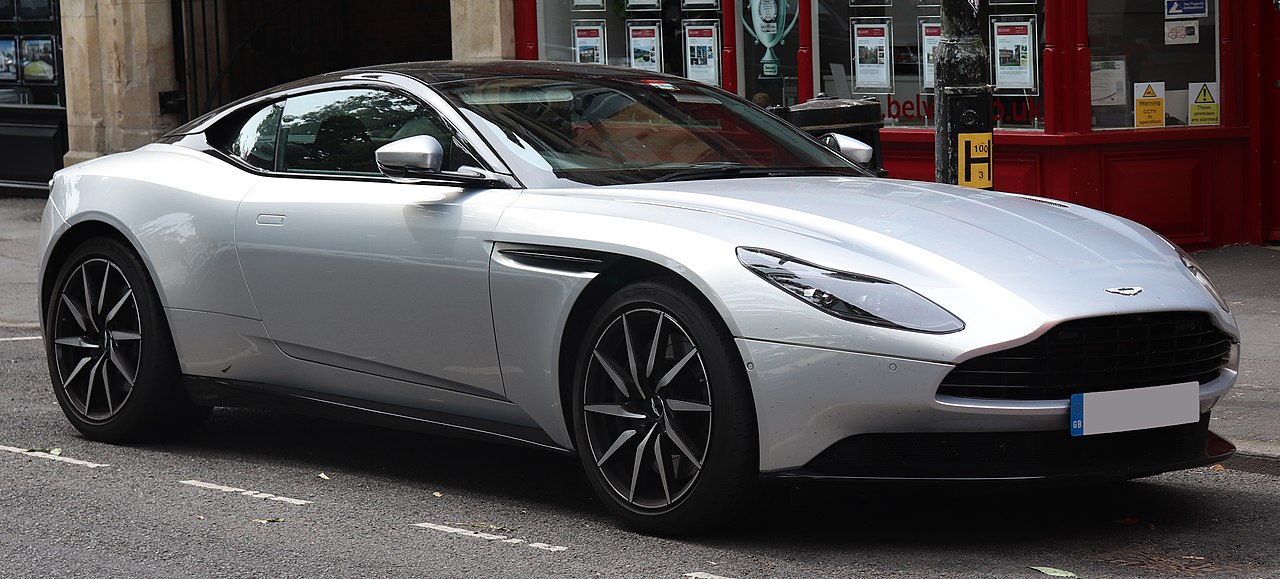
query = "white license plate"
x=1135 y=409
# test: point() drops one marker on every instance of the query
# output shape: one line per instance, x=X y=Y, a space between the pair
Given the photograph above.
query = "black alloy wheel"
x=111 y=357
x=664 y=420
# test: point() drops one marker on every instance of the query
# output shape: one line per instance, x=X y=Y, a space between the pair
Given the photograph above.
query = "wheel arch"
x=72 y=238
x=622 y=271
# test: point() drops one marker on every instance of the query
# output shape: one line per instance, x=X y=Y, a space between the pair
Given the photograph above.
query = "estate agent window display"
x=680 y=37
x=30 y=49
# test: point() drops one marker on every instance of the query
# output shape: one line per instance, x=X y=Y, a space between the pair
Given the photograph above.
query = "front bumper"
x=827 y=413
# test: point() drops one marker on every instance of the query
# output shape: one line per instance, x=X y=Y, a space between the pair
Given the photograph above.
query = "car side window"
x=337 y=132
x=255 y=144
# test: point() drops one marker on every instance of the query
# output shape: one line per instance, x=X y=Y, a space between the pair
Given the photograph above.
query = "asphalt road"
x=244 y=497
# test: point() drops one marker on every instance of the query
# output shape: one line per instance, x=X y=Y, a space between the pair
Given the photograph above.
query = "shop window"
x=1154 y=63
x=883 y=49
x=679 y=37
x=30 y=51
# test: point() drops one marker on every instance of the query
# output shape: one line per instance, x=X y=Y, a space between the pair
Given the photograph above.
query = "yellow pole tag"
x=974 y=160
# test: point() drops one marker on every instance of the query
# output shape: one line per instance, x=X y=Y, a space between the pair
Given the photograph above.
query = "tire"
x=663 y=415
x=111 y=356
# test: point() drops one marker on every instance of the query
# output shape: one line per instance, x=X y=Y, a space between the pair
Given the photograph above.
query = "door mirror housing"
x=850 y=147
x=408 y=160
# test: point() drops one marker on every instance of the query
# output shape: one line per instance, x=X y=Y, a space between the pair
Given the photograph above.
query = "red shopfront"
x=1204 y=175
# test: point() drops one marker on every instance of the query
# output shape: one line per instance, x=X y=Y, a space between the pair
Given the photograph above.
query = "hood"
x=1059 y=258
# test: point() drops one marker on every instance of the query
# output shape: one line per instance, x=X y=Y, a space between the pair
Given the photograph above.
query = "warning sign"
x=1202 y=109
x=974 y=160
x=1148 y=104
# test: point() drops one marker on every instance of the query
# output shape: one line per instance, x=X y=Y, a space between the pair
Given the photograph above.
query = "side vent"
x=567 y=260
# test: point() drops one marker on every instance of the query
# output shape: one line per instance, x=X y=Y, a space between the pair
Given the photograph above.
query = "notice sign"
x=1186 y=9
x=871 y=55
x=1202 y=104
x=701 y=52
x=1148 y=104
x=1182 y=32
x=646 y=45
x=930 y=37
x=974 y=160
x=1015 y=64
x=588 y=42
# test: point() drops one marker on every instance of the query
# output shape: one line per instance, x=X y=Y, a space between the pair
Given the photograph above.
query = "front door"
x=357 y=273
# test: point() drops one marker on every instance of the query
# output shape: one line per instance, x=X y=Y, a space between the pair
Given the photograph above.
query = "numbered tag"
x=974 y=160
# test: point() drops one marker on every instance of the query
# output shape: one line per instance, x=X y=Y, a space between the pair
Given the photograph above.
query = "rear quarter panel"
x=176 y=207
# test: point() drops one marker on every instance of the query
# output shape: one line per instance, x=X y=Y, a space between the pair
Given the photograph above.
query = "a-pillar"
x=118 y=57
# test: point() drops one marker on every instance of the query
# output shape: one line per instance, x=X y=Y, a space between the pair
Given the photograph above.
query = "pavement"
x=1247 y=276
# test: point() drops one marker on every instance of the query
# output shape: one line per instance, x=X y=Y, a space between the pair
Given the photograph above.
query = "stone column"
x=118 y=56
x=483 y=29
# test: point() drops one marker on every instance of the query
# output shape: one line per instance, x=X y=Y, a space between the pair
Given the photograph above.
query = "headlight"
x=1203 y=278
x=850 y=296
x=1198 y=273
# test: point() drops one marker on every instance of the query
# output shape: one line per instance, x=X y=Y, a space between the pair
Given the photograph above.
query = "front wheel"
x=111 y=357
x=664 y=420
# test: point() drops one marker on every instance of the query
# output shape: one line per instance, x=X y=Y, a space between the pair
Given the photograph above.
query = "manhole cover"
x=1192 y=565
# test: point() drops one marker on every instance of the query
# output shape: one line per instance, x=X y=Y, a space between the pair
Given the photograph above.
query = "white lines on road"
x=247 y=493
x=702 y=575
x=21 y=339
x=47 y=456
x=490 y=537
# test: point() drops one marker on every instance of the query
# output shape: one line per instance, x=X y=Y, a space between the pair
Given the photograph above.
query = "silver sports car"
x=654 y=274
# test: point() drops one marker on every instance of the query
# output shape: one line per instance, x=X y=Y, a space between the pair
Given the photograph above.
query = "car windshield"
x=623 y=131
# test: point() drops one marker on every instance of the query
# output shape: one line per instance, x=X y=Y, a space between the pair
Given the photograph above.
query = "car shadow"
x=405 y=457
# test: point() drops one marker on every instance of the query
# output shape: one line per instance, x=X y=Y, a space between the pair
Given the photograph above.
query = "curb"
x=1258 y=449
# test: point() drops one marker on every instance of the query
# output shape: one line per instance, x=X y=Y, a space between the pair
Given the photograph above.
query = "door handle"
x=270 y=219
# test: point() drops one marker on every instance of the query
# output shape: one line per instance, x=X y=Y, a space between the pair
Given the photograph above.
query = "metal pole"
x=962 y=143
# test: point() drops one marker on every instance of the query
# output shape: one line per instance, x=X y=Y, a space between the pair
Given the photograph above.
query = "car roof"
x=436 y=73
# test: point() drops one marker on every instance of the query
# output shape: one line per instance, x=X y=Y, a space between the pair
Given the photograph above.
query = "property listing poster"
x=871 y=55
x=1015 y=61
x=588 y=42
x=644 y=39
x=930 y=37
x=701 y=52
x=9 y=58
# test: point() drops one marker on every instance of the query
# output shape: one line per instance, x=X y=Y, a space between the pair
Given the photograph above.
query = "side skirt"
x=217 y=392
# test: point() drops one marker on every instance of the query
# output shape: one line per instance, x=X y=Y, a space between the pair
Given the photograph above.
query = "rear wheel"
x=111 y=357
x=663 y=416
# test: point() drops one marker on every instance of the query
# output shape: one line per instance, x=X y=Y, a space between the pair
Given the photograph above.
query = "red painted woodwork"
x=1201 y=187
x=1185 y=183
x=526 y=32
x=729 y=54
x=804 y=52
x=1267 y=53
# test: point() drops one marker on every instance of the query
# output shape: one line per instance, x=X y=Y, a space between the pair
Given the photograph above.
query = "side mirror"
x=411 y=158
x=848 y=146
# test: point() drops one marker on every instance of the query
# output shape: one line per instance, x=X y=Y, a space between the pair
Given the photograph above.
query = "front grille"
x=1098 y=355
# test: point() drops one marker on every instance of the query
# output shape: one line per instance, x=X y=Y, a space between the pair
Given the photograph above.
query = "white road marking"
x=247 y=493
x=48 y=456
x=21 y=339
x=701 y=575
x=490 y=537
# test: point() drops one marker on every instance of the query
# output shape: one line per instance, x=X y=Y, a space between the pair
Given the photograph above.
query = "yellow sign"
x=1204 y=109
x=974 y=160
x=1148 y=105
